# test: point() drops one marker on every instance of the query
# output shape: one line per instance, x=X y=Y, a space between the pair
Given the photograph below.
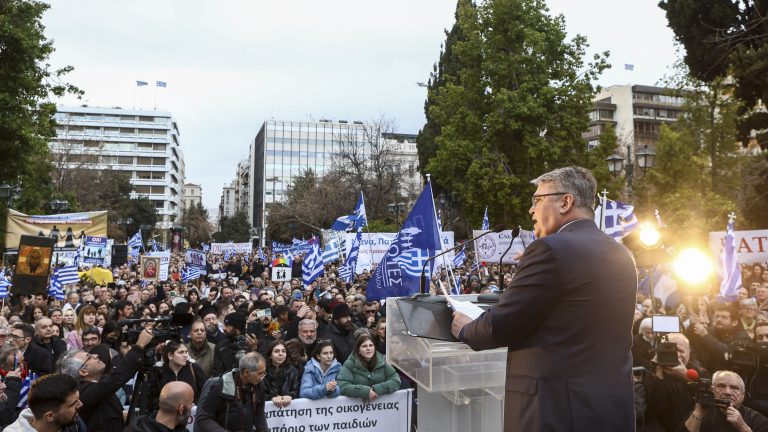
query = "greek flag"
x=475 y=264
x=189 y=274
x=486 y=225
x=331 y=252
x=459 y=258
x=141 y=83
x=161 y=84
x=312 y=267
x=261 y=255
x=67 y=275
x=26 y=383
x=135 y=241
x=629 y=67
x=440 y=217
x=4 y=285
x=620 y=219
x=356 y=220
x=399 y=271
x=729 y=263
x=351 y=263
x=206 y=247
x=76 y=260
x=154 y=245
x=55 y=288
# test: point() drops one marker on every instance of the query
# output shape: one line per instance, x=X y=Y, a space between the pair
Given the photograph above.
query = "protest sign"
x=33 y=267
x=196 y=258
x=94 y=250
x=165 y=262
x=752 y=245
x=68 y=229
x=388 y=413
x=491 y=247
x=243 y=248
x=376 y=244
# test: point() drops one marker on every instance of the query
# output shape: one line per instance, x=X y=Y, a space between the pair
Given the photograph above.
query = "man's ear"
x=49 y=417
x=83 y=372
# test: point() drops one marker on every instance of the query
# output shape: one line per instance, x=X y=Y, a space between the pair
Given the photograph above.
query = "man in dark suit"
x=39 y=360
x=566 y=318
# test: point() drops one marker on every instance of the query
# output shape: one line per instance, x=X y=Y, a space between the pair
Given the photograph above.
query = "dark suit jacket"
x=567 y=321
x=39 y=360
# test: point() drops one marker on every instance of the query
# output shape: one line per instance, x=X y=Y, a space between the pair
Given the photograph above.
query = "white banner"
x=235 y=247
x=388 y=413
x=378 y=243
x=165 y=262
x=752 y=245
x=490 y=248
x=196 y=258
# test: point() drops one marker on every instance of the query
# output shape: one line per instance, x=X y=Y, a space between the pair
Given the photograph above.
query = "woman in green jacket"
x=366 y=374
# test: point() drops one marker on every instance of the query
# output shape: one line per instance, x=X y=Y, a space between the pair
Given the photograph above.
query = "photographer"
x=728 y=412
x=102 y=410
x=237 y=341
x=712 y=344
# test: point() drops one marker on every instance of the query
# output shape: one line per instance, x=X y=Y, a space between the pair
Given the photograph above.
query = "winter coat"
x=357 y=381
x=204 y=356
x=8 y=408
x=314 y=380
x=24 y=424
x=343 y=343
x=147 y=423
x=219 y=410
x=190 y=373
x=282 y=381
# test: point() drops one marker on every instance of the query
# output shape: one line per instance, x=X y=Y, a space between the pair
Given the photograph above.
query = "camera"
x=666 y=352
x=166 y=328
x=747 y=354
x=702 y=394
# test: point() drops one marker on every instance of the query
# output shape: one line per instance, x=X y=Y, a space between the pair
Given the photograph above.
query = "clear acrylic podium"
x=459 y=389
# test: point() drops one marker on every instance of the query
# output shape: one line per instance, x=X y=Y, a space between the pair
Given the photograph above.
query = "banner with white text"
x=241 y=248
x=378 y=243
x=752 y=245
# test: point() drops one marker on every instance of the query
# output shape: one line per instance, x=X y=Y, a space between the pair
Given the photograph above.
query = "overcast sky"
x=231 y=64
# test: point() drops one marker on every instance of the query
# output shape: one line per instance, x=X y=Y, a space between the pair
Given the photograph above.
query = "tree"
x=514 y=107
x=234 y=228
x=197 y=228
x=726 y=38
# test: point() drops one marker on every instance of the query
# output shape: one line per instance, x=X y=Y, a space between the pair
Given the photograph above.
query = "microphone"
x=692 y=375
x=501 y=273
x=423 y=279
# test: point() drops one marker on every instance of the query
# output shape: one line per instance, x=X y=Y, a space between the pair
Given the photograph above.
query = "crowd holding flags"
x=190 y=273
x=729 y=263
x=312 y=267
x=347 y=271
x=4 y=285
x=616 y=218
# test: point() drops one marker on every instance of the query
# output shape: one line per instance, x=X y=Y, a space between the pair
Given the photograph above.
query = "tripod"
x=146 y=388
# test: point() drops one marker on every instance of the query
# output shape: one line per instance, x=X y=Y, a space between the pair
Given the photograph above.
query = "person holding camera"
x=237 y=341
x=235 y=400
x=712 y=344
x=102 y=410
x=725 y=412
x=758 y=384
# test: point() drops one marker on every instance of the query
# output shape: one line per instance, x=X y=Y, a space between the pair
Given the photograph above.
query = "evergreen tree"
x=197 y=228
x=515 y=107
x=235 y=228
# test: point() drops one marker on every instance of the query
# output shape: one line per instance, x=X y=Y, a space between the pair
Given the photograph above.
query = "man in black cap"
x=211 y=321
x=229 y=349
x=341 y=332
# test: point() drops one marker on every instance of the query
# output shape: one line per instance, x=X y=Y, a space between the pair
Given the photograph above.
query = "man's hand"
x=459 y=321
x=700 y=329
x=251 y=341
x=303 y=311
x=145 y=337
x=734 y=417
x=14 y=373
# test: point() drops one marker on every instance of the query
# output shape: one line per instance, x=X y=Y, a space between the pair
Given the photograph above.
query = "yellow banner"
x=69 y=229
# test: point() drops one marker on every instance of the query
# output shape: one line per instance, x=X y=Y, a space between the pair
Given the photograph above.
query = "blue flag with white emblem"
x=419 y=238
x=356 y=220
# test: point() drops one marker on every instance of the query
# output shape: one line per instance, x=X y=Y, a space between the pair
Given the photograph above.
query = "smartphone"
x=172 y=294
x=264 y=313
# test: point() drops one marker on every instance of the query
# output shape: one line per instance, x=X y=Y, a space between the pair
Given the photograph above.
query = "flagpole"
x=447 y=265
x=367 y=230
x=603 y=201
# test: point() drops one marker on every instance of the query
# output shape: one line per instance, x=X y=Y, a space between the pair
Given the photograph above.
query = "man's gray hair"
x=70 y=365
x=251 y=361
x=646 y=323
x=719 y=374
x=307 y=321
x=574 y=180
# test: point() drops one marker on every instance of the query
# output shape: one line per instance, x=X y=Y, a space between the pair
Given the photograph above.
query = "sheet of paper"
x=470 y=309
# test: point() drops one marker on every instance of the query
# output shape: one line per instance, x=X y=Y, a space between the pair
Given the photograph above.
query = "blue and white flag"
x=55 y=288
x=135 y=241
x=26 y=383
x=206 y=247
x=67 y=275
x=629 y=67
x=440 y=217
x=76 y=260
x=399 y=271
x=161 y=84
x=331 y=252
x=190 y=274
x=486 y=225
x=620 y=219
x=141 y=83
x=356 y=220
x=459 y=258
x=154 y=245
x=348 y=274
x=4 y=286
x=729 y=263
x=312 y=266
x=261 y=255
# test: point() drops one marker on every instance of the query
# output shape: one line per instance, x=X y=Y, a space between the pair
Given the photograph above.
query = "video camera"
x=666 y=352
x=748 y=353
x=702 y=394
x=166 y=328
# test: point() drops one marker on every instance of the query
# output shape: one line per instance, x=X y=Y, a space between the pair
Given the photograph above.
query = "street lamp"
x=58 y=205
x=396 y=209
x=645 y=158
x=9 y=193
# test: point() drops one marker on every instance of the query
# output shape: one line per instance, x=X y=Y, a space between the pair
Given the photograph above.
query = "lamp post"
x=644 y=156
x=9 y=193
x=57 y=206
x=396 y=209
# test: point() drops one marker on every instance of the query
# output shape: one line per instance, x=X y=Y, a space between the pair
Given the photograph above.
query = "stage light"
x=650 y=237
x=693 y=266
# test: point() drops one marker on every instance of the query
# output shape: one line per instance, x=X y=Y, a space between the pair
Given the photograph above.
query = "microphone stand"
x=423 y=278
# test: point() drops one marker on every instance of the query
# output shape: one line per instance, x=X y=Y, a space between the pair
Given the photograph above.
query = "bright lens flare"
x=650 y=237
x=693 y=266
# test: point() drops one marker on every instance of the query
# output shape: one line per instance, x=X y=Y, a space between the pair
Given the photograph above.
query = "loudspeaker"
x=119 y=254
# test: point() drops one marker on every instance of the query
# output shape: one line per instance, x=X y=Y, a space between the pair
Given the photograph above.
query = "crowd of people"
x=246 y=340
